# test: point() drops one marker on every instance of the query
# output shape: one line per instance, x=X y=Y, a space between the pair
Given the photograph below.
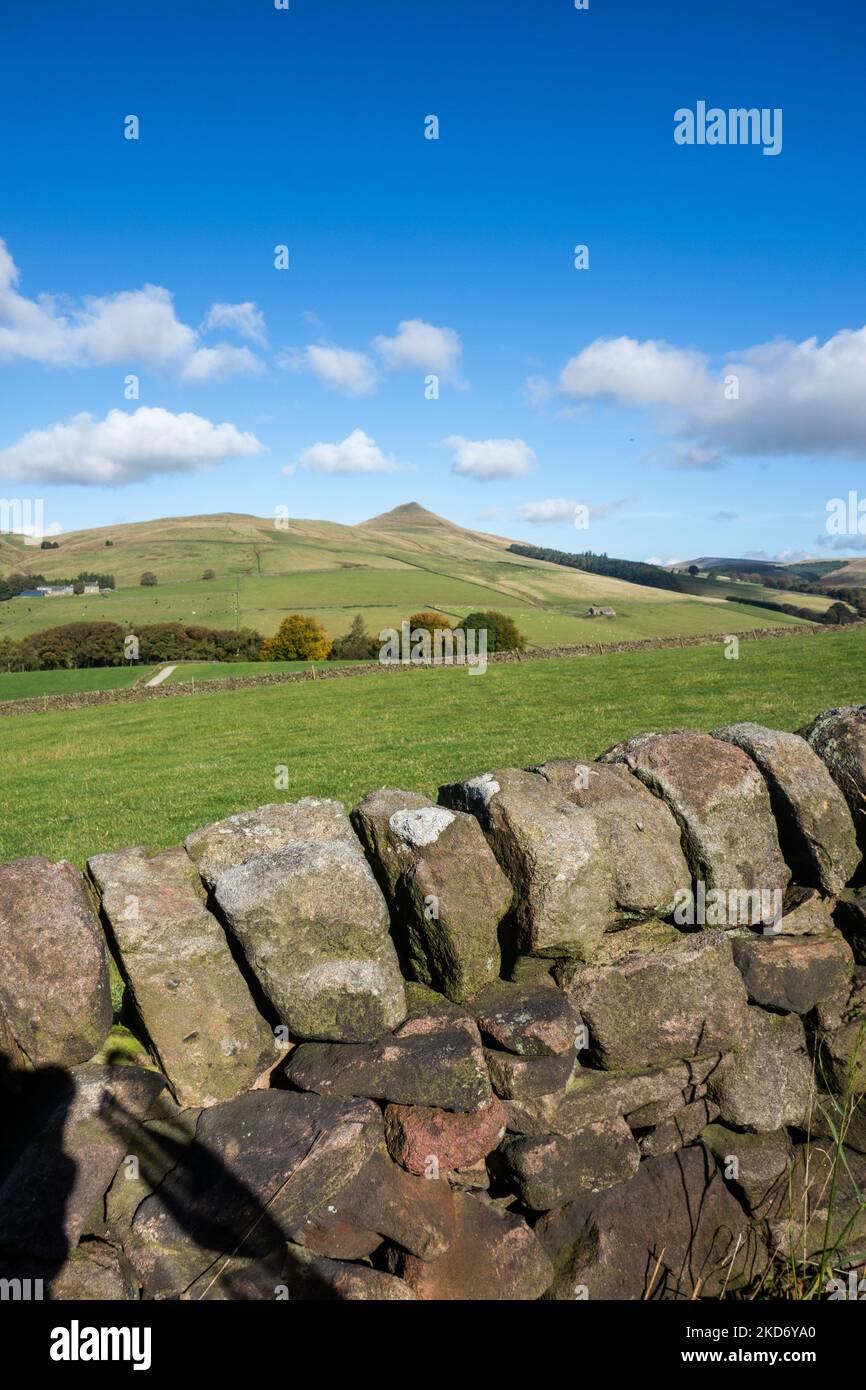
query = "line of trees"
x=301 y=637
x=635 y=571
x=77 y=645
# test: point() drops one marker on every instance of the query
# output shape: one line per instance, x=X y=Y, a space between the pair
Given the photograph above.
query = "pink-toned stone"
x=418 y=1134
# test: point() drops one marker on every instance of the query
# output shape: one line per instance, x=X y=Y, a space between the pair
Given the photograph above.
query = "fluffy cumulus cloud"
x=133 y=327
x=633 y=373
x=776 y=398
x=416 y=346
x=420 y=346
x=341 y=369
x=357 y=453
x=217 y=363
x=488 y=459
x=123 y=448
x=244 y=319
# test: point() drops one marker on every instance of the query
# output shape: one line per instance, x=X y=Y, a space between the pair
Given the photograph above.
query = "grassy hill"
x=385 y=568
x=834 y=574
x=845 y=574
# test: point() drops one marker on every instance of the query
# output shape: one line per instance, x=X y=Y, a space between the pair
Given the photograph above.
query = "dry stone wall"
x=573 y=1031
x=85 y=699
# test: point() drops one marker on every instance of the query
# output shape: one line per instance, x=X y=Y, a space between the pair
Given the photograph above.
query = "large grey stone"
x=686 y=999
x=530 y=1020
x=413 y=1212
x=519 y=1078
x=55 y=1001
x=433 y=1060
x=815 y=826
x=446 y=892
x=766 y=1082
x=838 y=736
x=793 y=973
x=549 y=1170
x=255 y=1168
x=230 y=842
x=313 y=925
x=209 y=1037
x=641 y=837
x=720 y=801
x=553 y=855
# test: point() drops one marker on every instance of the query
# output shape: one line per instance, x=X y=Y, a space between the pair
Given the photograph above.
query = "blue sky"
x=262 y=388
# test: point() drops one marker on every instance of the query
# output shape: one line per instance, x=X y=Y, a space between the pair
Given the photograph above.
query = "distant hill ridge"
x=386 y=567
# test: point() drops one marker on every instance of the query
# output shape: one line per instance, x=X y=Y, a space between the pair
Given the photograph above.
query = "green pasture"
x=76 y=782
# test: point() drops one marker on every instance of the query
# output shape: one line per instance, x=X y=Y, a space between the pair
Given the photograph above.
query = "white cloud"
x=775 y=398
x=691 y=457
x=136 y=327
x=633 y=373
x=603 y=509
x=548 y=510
x=420 y=346
x=357 y=453
x=353 y=373
x=557 y=509
x=217 y=363
x=245 y=319
x=123 y=448
x=781 y=557
x=486 y=459
x=537 y=391
x=416 y=346
x=857 y=543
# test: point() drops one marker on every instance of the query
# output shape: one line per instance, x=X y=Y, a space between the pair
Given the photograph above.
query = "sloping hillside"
x=384 y=568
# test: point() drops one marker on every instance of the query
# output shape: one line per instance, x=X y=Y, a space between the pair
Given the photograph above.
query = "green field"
x=222 y=670
x=385 y=598
x=385 y=569
x=78 y=782
x=24 y=685
x=710 y=586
